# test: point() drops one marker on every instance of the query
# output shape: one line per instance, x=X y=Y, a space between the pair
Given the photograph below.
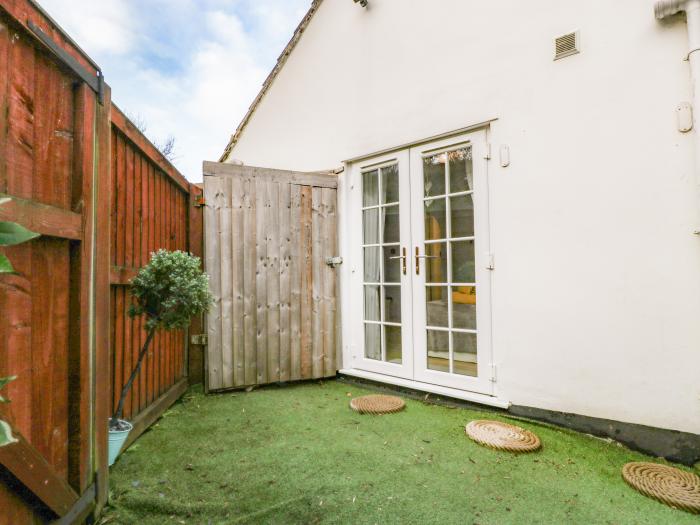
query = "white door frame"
x=411 y=373
x=354 y=278
x=482 y=383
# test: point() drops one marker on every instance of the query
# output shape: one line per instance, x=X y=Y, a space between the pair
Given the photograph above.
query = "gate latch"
x=334 y=262
x=199 y=339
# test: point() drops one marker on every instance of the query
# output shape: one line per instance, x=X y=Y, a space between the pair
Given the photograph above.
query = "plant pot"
x=116 y=441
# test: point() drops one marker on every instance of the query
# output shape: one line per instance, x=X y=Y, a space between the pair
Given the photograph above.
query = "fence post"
x=195 y=240
x=101 y=349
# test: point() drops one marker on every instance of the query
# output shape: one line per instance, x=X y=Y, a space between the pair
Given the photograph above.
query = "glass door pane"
x=383 y=264
x=448 y=211
x=450 y=229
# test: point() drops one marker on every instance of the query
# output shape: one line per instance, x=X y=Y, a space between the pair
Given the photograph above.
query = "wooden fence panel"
x=151 y=210
x=102 y=197
x=50 y=139
x=268 y=234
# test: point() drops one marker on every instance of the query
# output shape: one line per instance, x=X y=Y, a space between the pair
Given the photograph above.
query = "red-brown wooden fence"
x=53 y=329
x=78 y=173
x=150 y=210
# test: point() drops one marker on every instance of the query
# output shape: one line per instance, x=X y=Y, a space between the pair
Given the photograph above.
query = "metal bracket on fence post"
x=95 y=82
x=199 y=201
x=199 y=339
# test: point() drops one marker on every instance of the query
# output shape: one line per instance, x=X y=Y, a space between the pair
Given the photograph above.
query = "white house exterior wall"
x=596 y=291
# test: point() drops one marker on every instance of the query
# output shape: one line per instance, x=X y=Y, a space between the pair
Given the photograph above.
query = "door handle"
x=419 y=257
x=403 y=259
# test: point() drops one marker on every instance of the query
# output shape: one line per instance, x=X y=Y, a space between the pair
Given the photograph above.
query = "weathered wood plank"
x=20 y=118
x=16 y=332
x=118 y=259
x=195 y=245
x=306 y=283
x=295 y=272
x=261 y=237
x=151 y=360
x=249 y=254
x=226 y=256
x=316 y=283
x=101 y=350
x=321 y=179
x=139 y=333
x=50 y=323
x=80 y=358
x=328 y=199
x=4 y=100
x=42 y=218
x=130 y=131
x=283 y=208
x=28 y=465
x=273 y=282
x=146 y=225
x=129 y=360
x=237 y=281
x=212 y=189
x=53 y=134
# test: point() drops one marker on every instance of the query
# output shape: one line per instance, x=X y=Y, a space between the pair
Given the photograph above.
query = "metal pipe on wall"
x=691 y=8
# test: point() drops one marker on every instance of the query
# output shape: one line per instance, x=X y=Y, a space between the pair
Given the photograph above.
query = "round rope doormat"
x=674 y=487
x=502 y=436
x=377 y=404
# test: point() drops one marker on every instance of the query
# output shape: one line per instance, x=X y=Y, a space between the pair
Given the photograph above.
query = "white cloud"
x=188 y=68
x=100 y=27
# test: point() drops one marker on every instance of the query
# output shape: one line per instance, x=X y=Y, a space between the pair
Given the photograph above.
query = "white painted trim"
x=481 y=399
x=415 y=143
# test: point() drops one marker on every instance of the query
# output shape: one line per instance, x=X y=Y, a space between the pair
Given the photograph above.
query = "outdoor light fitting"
x=363 y=3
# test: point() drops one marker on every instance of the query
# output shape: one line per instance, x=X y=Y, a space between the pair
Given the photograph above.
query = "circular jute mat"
x=674 y=487
x=502 y=436
x=377 y=404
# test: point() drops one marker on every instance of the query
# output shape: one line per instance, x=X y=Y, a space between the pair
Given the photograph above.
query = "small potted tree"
x=168 y=291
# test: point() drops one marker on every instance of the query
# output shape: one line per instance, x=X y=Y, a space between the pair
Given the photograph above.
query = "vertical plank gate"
x=268 y=234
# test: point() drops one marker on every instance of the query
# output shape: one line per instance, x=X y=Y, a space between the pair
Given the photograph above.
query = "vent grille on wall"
x=566 y=45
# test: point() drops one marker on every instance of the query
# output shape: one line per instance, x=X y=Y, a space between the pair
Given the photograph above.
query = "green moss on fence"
x=299 y=455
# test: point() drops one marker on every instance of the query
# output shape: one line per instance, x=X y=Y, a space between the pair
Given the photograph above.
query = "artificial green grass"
x=298 y=454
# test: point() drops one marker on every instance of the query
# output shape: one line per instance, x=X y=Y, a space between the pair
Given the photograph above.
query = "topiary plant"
x=169 y=291
x=10 y=234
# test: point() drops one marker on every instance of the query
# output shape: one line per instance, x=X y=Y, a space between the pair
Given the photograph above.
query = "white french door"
x=421 y=263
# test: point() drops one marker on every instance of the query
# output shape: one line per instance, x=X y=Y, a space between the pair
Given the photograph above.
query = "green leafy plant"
x=10 y=235
x=6 y=436
x=169 y=291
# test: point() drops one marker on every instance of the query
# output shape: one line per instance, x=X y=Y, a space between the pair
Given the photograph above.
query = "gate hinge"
x=199 y=201
x=199 y=339
x=487 y=152
x=490 y=262
x=334 y=262
x=493 y=373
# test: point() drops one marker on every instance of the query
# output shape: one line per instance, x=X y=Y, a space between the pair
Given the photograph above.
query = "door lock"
x=403 y=260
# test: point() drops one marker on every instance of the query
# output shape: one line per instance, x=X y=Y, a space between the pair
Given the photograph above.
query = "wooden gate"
x=268 y=235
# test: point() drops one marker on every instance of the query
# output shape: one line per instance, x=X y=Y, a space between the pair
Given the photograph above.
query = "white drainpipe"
x=691 y=8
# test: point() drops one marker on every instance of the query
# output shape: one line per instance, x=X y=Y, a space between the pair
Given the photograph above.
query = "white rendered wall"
x=596 y=298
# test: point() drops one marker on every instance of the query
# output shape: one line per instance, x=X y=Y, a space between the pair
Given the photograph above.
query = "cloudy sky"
x=186 y=68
